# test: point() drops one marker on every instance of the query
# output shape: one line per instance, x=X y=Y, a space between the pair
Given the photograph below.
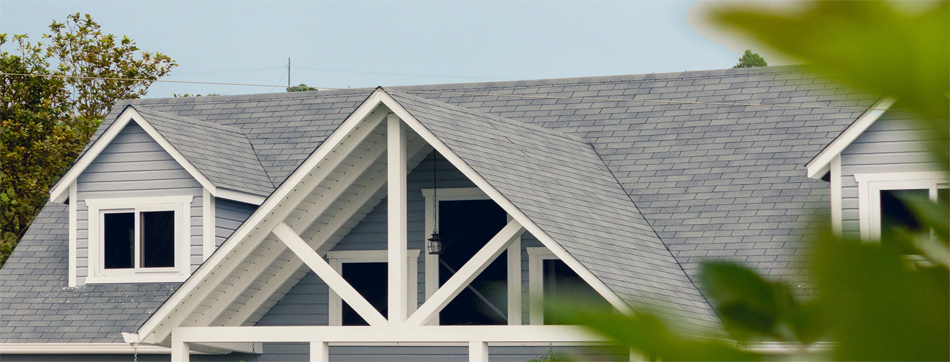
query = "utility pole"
x=288 y=73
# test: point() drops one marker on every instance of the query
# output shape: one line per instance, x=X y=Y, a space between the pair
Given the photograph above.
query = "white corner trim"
x=836 y=198
x=73 y=233
x=870 y=186
x=59 y=191
x=819 y=165
x=238 y=196
x=80 y=348
x=250 y=227
x=208 y=220
x=505 y=204
x=181 y=205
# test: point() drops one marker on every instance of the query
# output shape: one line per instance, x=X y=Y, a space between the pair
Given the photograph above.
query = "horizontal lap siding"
x=134 y=165
x=895 y=143
x=229 y=215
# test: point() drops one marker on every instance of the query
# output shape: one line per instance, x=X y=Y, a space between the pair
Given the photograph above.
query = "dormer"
x=144 y=197
x=882 y=157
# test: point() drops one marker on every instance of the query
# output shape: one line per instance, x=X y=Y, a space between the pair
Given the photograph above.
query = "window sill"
x=137 y=278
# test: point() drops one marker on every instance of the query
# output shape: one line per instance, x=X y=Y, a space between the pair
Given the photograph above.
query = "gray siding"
x=134 y=165
x=229 y=215
x=894 y=143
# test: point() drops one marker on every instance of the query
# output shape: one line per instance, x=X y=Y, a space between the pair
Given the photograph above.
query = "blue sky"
x=366 y=44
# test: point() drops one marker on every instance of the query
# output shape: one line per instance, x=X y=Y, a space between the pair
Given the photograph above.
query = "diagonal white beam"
x=326 y=232
x=396 y=219
x=327 y=199
x=467 y=273
x=321 y=163
x=329 y=276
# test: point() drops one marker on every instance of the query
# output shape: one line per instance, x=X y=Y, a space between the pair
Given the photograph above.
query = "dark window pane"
x=943 y=196
x=466 y=226
x=896 y=215
x=158 y=239
x=370 y=279
x=118 y=240
x=563 y=285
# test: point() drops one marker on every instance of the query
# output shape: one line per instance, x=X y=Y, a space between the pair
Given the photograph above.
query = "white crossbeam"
x=396 y=220
x=322 y=237
x=361 y=335
x=467 y=273
x=329 y=276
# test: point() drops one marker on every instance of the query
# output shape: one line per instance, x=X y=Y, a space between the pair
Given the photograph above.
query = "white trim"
x=836 y=198
x=477 y=351
x=80 y=348
x=336 y=259
x=397 y=222
x=250 y=231
x=536 y=258
x=58 y=192
x=510 y=208
x=207 y=224
x=452 y=287
x=181 y=205
x=819 y=165
x=238 y=196
x=364 y=335
x=319 y=351
x=73 y=233
x=329 y=276
x=870 y=186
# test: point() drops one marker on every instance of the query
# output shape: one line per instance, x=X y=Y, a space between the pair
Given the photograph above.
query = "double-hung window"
x=139 y=239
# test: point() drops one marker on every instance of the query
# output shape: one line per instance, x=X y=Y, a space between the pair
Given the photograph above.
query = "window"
x=880 y=196
x=549 y=278
x=366 y=271
x=139 y=240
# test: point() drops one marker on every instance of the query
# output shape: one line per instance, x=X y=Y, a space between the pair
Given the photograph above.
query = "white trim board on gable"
x=820 y=165
x=60 y=191
x=283 y=201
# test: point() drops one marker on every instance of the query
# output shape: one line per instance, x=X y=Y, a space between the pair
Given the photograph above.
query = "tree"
x=301 y=88
x=47 y=114
x=750 y=60
x=872 y=301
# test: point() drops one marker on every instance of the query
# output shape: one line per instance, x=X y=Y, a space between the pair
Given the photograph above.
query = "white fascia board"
x=820 y=165
x=505 y=204
x=250 y=225
x=60 y=191
x=239 y=196
x=365 y=335
x=80 y=348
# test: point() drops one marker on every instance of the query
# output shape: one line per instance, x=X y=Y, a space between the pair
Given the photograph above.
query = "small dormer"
x=144 y=198
x=883 y=157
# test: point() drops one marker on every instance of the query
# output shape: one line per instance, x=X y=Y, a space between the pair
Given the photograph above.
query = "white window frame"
x=97 y=272
x=432 y=261
x=536 y=258
x=870 y=186
x=336 y=259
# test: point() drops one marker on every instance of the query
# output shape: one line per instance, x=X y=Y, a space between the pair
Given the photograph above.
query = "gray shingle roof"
x=561 y=184
x=221 y=153
x=713 y=160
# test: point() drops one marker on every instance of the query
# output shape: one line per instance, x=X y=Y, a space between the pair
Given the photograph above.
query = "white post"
x=319 y=351
x=207 y=224
x=179 y=351
x=396 y=221
x=477 y=351
x=73 y=233
x=514 y=281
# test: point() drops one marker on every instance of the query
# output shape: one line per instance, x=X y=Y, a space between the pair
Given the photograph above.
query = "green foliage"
x=874 y=302
x=750 y=60
x=48 y=113
x=301 y=88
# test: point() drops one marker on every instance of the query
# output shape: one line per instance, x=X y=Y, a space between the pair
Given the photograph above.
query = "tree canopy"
x=750 y=60
x=48 y=113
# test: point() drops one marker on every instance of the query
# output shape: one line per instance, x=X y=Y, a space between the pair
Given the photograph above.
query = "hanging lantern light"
x=435 y=246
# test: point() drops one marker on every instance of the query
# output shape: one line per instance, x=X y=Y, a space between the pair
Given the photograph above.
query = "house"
x=299 y=226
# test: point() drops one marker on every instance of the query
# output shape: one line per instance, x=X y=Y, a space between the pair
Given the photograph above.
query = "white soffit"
x=820 y=165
